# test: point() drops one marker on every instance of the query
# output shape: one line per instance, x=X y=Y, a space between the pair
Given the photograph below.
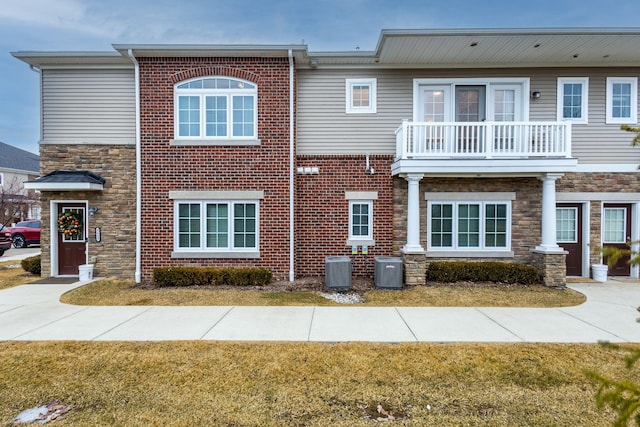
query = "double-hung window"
x=361 y=220
x=469 y=225
x=216 y=226
x=216 y=108
x=622 y=100
x=573 y=94
x=361 y=217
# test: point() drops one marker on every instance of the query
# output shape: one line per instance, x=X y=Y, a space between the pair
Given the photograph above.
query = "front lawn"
x=307 y=384
x=123 y=292
x=12 y=274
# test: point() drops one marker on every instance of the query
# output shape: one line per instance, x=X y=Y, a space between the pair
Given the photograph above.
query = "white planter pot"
x=599 y=272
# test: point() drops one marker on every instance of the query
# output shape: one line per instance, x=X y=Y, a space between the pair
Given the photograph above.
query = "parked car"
x=26 y=233
x=5 y=240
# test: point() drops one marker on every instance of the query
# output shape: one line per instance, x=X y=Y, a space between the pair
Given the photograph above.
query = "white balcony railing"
x=483 y=140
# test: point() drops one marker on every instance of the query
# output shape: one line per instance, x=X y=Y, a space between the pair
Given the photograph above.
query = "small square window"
x=622 y=100
x=361 y=219
x=361 y=96
x=573 y=94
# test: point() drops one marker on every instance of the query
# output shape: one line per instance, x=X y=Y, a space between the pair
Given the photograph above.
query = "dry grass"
x=12 y=274
x=306 y=384
x=123 y=292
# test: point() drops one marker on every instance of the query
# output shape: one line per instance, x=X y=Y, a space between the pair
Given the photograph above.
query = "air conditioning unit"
x=337 y=273
x=388 y=272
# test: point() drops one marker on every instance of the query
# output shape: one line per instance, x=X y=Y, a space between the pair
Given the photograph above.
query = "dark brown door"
x=569 y=235
x=72 y=247
x=616 y=232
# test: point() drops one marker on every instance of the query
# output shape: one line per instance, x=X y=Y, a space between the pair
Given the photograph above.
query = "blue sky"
x=93 y=25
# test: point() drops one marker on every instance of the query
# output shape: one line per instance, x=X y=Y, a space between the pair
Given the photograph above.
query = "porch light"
x=536 y=94
x=93 y=210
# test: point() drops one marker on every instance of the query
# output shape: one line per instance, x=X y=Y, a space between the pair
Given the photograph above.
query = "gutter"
x=138 y=274
x=291 y=169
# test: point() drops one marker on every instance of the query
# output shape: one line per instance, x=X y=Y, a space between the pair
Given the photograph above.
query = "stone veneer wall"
x=552 y=267
x=115 y=253
x=525 y=210
x=618 y=183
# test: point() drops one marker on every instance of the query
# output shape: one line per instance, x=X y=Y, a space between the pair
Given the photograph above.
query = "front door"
x=569 y=236
x=616 y=232
x=72 y=246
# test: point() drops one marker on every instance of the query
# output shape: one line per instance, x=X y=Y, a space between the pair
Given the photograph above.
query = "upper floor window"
x=573 y=93
x=216 y=108
x=361 y=95
x=622 y=100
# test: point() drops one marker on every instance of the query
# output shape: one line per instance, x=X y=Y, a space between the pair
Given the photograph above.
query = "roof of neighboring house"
x=17 y=159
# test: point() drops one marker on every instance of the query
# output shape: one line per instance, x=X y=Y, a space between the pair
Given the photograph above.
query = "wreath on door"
x=69 y=224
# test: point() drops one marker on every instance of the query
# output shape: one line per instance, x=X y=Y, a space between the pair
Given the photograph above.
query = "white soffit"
x=484 y=48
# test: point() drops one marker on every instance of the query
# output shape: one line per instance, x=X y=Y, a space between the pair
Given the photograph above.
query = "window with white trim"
x=469 y=225
x=215 y=225
x=360 y=220
x=573 y=95
x=361 y=96
x=567 y=225
x=622 y=100
x=216 y=108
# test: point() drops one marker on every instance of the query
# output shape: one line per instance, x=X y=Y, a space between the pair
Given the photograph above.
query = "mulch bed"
x=359 y=285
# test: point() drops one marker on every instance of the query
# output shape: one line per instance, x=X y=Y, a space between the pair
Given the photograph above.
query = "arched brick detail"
x=215 y=70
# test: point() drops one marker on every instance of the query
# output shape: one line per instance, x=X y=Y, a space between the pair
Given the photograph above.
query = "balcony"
x=484 y=148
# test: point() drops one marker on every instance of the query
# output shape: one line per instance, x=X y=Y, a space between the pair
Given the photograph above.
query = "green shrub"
x=198 y=276
x=498 y=272
x=32 y=265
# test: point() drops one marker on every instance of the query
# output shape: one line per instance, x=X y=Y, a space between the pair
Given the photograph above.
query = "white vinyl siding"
x=88 y=106
x=325 y=129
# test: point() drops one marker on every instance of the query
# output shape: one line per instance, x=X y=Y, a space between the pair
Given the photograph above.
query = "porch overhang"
x=61 y=180
x=484 y=167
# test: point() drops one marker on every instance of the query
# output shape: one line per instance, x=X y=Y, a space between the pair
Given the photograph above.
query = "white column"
x=549 y=244
x=413 y=215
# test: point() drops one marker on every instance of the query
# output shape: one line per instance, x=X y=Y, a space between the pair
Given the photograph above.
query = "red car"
x=26 y=233
x=5 y=240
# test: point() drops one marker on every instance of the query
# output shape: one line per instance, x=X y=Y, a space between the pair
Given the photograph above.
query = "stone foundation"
x=552 y=267
x=415 y=269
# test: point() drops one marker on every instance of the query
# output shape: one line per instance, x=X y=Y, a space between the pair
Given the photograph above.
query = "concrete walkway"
x=34 y=313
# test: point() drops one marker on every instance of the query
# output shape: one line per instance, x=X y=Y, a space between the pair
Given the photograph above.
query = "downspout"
x=138 y=274
x=291 y=169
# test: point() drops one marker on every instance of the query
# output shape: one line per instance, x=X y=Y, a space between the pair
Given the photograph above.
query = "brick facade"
x=116 y=203
x=322 y=212
x=170 y=168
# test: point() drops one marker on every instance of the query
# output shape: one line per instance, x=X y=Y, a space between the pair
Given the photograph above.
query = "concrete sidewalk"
x=34 y=313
